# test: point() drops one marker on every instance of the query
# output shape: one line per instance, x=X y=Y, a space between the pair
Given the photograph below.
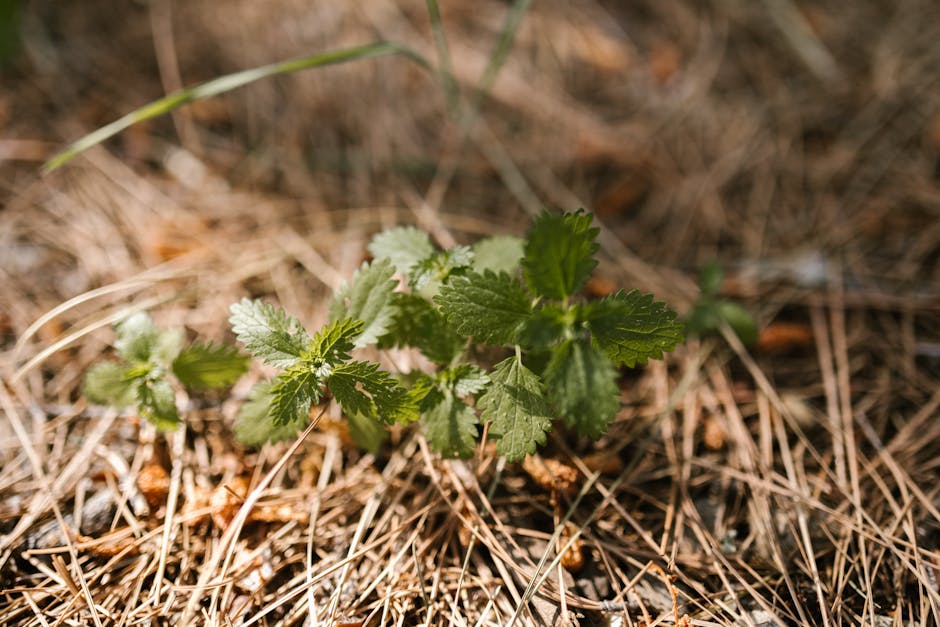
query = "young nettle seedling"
x=518 y=296
x=149 y=356
x=710 y=311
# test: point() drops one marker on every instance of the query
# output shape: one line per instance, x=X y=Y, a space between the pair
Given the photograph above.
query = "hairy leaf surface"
x=292 y=394
x=419 y=325
x=268 y=332
x=368 y=297
x=632 y=328
x=108 y=383
x=516 y=407
x=582 y=384
x=559 y=254
x=451 y=426
x=157 y=403
x=499 y=253
x=361 y=388
x=206 y=366
x=438 y=268
x=490 y=307
x=403 y=246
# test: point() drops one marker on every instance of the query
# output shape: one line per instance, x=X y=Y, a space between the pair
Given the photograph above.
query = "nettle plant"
x=557 y=355
x=149 y=359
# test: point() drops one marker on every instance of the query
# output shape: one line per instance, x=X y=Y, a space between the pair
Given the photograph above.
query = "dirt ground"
x=794 y=482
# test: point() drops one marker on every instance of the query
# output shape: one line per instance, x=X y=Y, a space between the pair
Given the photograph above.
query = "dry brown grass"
x=796 y=142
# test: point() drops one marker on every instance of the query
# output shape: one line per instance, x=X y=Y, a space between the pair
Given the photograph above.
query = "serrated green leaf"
x=108 y=383
x=254 y=425
x=403 y=246
x=632 y=328
x=559 y=254
x=544 y=328
x=451 y=426
x=332 y=343
x=368 y=297
x=425 y=393
x=362 y=388
x=157 y=403
x=292 y=394
x=268 y=332
x=206 y=366
x=500 y=253
x=368 y=433
x=136 y=337
x=437 y=268
x=464 y=380
x=419 y=325
x=490 y=307
x=516 y=407
x=582 y=384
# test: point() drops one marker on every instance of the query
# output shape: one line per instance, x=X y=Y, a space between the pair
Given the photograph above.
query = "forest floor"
x=794 y=482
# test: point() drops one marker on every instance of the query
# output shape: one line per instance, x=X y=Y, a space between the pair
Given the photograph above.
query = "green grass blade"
x=225 y=84
x=507 y=38
x=445 y=67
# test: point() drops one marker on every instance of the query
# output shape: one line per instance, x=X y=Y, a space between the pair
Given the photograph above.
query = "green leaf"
x=168 y=346
x=361 y=388
x=367 y=297
x=108 y=383
x=739 y=319
x=544 y=328
x=500 y=253
x=367 y=432
x=254 y=425
x=464 y=380
x=403 y=246
x=631 y=328
x=707 y=315
x=418 y=324
x=516 y=407
x=451 y=426
x=559 y=254
x=332 y=343
x=710 y=280
x=157 y=403
x=437 y=268
x=292 y=393
x=425 y=393
x=136 y=337
x=582 y=384
x=490 y=307
x=206 y=366
x=268 y=332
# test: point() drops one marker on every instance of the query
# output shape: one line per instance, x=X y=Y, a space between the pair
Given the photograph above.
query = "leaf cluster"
x=506 y=293
x=711 y=311
x=521 y=294
x=149 y=359
x=311 y=367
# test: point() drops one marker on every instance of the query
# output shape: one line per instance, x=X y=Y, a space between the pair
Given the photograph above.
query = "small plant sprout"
x=149 y=359
x=518 y=297
x=710 y=311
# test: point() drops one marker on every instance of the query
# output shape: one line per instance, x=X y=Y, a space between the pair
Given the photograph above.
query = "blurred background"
x=803 y=134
